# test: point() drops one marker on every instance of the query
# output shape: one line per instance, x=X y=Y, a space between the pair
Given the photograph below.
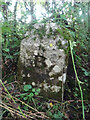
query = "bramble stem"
x=71 y=48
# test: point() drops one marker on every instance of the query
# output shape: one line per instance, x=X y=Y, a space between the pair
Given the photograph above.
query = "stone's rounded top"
x=45 y=35
x=48 y=62
x=56 y=69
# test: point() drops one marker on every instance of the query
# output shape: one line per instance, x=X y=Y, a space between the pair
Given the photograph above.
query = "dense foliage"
x=74 y=22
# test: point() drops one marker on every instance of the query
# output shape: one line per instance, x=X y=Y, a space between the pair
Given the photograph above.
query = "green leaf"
x=38 y=90
x=14 y=46
x=23 y=94
x=59 y=115
x=56 y=116
x=31 y=95
x=27 y=87
x=25 y=108
x=6 y=49
x=36 y=93
x=76 y=95
x=55 y=107
x=33 y=90
x=9 y=56
x=25 y=98
x=76 y=89
x=17 y=53
x=86 y=73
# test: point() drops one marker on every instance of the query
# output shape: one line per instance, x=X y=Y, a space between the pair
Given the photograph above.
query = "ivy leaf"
x=27 y=87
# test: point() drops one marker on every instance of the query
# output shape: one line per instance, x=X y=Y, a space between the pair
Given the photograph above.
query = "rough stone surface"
x=42 y=63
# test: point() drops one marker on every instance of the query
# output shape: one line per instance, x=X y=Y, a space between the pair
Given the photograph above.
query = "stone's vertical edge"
x=0 y=67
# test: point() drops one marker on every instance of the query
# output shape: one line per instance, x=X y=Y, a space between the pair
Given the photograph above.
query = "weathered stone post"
x=43 y=61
